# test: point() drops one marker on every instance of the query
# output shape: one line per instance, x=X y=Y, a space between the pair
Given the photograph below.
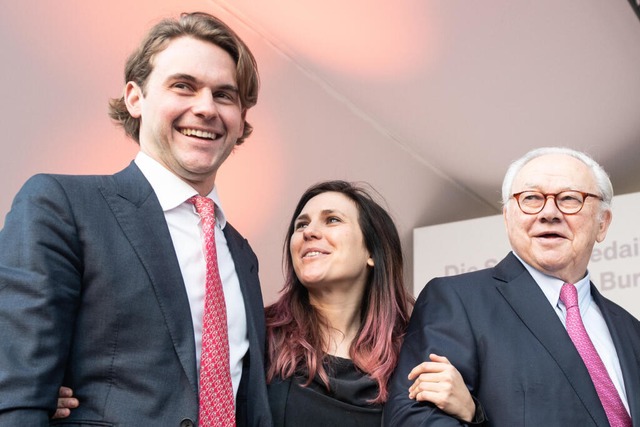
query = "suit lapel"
x=252 y=384
x=624 y=341
x=137 y=210
x=532 y=307
x=246 y=265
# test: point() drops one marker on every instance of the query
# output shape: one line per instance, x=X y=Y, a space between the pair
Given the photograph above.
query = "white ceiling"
x=466 y=87
x=429 y=101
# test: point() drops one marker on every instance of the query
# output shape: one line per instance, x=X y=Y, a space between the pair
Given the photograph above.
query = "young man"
x=103 y=279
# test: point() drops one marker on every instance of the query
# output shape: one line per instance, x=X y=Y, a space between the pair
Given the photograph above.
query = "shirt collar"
x=170 y=189
x=551 y=287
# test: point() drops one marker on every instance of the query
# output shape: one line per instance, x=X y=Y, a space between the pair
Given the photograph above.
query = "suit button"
x=186 y=423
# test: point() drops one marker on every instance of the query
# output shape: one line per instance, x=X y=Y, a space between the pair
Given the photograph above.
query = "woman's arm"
x=440 y=383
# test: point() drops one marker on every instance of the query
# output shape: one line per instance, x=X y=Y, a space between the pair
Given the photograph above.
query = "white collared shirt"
x=592 y=318
x=186 y=235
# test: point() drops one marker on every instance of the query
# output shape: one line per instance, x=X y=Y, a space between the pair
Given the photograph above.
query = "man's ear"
x=133 y=98
x=605 y=221
x=244 y=115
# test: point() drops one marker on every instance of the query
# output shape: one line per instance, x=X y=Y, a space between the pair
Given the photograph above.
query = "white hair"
x=602 y=178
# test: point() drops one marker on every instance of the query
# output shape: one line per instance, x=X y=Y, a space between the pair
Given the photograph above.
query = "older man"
x=535 y=341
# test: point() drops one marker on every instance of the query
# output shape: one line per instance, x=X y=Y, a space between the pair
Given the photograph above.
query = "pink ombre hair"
x=294 y=327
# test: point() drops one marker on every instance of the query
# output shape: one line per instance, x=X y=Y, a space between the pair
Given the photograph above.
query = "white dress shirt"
x=186 y=235
x=591 y=317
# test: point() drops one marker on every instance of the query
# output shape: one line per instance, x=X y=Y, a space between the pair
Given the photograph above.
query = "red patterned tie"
x=613 y=406
x=216 y=390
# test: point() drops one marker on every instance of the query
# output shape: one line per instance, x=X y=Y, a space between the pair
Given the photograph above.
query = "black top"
x=345 y=404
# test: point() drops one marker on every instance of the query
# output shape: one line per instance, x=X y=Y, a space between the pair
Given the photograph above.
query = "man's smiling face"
x=554 y=243
x=190 y=112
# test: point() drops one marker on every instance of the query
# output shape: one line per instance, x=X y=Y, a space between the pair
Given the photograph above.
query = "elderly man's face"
x=554 y=243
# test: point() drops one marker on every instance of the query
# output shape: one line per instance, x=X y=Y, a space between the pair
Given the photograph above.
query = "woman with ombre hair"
x=334 y=335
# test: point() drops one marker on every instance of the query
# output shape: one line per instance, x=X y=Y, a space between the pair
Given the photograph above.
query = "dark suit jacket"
x=497 y=327
x=91 y=296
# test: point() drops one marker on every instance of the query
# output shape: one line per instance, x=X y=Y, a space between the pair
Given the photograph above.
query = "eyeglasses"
x=568 y=202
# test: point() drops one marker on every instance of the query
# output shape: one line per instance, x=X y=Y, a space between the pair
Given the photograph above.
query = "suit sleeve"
x=40 y=276
x=439 y=324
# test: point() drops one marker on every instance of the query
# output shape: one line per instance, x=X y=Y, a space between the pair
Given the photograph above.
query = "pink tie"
x=216 y=391
x=613 y=406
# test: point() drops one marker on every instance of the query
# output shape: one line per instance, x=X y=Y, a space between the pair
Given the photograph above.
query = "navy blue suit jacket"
x=497 y=327
x=91 y=296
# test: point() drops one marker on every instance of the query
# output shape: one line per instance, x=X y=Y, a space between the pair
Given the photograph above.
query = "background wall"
x=426 y=100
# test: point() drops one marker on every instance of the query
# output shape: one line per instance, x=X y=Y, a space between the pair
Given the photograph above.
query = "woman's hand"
x=66 y=402
x=440 y=383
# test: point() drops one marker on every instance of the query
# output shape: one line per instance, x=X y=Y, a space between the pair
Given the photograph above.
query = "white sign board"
x=459 y=247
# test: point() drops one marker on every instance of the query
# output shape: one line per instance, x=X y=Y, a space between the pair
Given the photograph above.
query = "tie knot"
x=204 y=206
x=569 y=295
x=206 y=210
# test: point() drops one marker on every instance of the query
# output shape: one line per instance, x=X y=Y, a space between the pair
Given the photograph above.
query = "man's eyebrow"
x=188 y=77
x=229 y=87
x=182 y=76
